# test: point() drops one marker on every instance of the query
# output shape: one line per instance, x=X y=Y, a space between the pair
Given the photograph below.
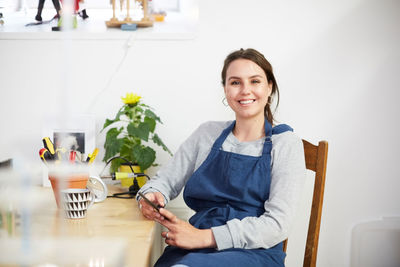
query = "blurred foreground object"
x=62 y=252
x=6 y=164
x=113 y=233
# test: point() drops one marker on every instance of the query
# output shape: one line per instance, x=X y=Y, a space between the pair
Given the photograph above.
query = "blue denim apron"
x=227 y=186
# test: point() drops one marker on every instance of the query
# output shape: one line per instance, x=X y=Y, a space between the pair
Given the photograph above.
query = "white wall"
x=337 y=64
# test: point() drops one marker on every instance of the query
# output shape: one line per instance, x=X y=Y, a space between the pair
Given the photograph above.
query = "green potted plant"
x=132 y=135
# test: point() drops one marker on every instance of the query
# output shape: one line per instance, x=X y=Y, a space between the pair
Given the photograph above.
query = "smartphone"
x=157 y=208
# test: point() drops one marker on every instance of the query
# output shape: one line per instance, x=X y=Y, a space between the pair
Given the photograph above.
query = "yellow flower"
x=131 y=98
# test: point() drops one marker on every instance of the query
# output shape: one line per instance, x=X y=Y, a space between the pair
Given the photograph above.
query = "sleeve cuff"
x=222 y=237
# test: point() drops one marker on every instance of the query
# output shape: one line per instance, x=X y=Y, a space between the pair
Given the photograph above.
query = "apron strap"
x=267 y=142
x=220 y=140
x=281 y=128
x=278 y=129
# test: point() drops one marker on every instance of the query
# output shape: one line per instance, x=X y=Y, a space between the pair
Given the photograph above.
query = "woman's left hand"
x=182 y=234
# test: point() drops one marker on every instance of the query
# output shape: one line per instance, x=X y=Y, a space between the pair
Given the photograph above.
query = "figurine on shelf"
x=83 y=14
x=145 y=21
x=57 y=6
x=77 y=5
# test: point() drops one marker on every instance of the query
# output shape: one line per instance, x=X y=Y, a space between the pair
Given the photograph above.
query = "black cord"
x=118 y=157
x=133 y=189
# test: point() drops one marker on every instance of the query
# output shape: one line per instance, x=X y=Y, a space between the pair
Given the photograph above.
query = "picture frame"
x=75 y=132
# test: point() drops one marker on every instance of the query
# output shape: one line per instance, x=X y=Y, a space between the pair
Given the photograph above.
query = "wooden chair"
x=316 y=160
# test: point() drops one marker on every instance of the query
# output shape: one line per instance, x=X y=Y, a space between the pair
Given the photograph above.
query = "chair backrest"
x=316 y=160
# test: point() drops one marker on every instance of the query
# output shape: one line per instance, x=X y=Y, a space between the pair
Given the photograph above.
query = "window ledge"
x=175 y=27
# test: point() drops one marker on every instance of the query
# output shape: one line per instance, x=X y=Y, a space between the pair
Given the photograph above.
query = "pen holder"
x=78 y=181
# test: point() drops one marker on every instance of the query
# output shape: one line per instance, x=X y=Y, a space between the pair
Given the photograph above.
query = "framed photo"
x=70 y=140
x=76 y=132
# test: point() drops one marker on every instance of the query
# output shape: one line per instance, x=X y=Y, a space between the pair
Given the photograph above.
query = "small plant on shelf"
x=132 y=134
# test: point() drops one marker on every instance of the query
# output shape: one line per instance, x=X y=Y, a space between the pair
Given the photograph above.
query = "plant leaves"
x=127 y=147
x=108 y=122
x=112 y=149
x=145 y=156
x=125 y=152
x=151 y=114
x=142 y=130
x=144 y=105
x=117 y=118
x=112 y=144
x=151 y=122
x=115 y=164
x=132 y=111
x=141 y=122
x=113 y=133
x=138 y=109
x=157 y=140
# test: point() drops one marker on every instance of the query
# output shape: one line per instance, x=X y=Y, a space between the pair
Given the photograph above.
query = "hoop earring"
x=225 y=102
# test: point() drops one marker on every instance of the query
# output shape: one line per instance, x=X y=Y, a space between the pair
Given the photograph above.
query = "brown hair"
x=259 y=59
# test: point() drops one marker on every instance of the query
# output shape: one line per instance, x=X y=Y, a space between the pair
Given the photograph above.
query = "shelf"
x=175 y=27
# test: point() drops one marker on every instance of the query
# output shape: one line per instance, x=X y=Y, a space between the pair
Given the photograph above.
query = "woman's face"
x=247 y=89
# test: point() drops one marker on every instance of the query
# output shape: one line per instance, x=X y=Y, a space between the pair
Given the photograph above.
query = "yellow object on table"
x=127 y=182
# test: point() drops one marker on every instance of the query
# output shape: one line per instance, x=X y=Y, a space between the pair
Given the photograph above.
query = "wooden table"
x=111 y=219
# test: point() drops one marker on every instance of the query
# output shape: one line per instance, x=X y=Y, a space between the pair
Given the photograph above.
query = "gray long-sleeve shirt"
x=287 y=180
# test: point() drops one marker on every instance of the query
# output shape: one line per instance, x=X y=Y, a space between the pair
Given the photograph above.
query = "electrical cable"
x=128 y=44
x=133 y=189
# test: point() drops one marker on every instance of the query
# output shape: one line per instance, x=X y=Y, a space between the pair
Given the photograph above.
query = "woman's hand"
x=148 y=211
x=182 y=234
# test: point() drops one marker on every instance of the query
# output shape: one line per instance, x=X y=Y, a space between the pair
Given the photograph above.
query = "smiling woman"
x=261 y=77
x=247 y=90
x=242 y=178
